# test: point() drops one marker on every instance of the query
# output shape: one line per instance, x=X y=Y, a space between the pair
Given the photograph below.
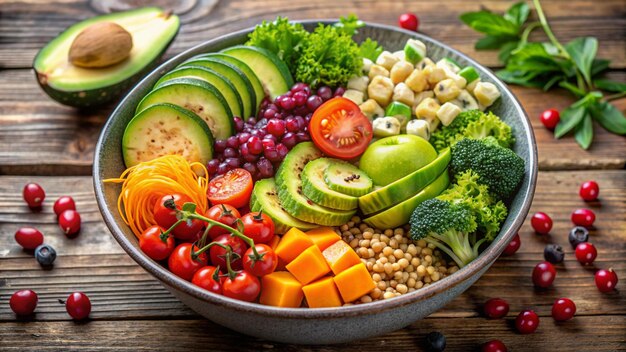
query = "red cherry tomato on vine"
x=154 y=244
x=233 y=188
x=258 y=226
x=408 y=21
x=164 y=216
x=218 y=254
x=209 y=279
x=244 y=286
x=266 y=265
x=183 y=264
x=224 y=213
x=550 y=118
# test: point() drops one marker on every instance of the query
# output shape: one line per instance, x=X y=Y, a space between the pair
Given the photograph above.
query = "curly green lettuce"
x=282 y=38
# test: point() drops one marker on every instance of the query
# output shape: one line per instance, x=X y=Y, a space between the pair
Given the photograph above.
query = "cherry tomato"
x=209 y=279
x=218 y=254
x=244 y=286
x=164 y=216
x=78 y=305
x=224 y=213
x=155 y=245
x=33 y=195
x=262 y=267
x=339 y=129
x=183 y=264
x=23 y=302
x=550 y=118
x=408 y=21
x=232 y=188
x=258 y=226
x=28 y=237
x=62 y=204
x=69 y=222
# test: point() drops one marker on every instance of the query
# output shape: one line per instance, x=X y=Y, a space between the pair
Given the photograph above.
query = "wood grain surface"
x=45 y=142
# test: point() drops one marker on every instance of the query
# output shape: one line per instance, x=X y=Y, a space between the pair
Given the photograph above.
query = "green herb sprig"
x=544 y=65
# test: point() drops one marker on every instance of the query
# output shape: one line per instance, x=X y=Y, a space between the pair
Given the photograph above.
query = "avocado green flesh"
x=348 y=179
x=265 y=197
x=222 y=84
x=197 y=96
x=152 y=31
x=405 y=187
x=400 y=214
x=165 y=129
x=315 y=188
x=234 y=75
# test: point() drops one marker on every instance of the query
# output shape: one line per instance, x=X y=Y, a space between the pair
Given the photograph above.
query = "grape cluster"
x=262 y=142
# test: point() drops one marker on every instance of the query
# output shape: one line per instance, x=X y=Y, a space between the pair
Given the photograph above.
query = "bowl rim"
x=486 y=258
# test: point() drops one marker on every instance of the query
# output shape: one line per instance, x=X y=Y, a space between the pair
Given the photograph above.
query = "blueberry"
x=553 y=253
x=45 y=254
x=435 y=342
x=577 y=235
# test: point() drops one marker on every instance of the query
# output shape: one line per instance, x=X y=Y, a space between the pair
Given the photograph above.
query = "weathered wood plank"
x=603 y=333
x=65 y=138
x=27 y=26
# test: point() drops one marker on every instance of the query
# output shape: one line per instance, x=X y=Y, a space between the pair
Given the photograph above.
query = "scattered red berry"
x=606 y=280
x=527 y=322
x=494 y=346
x=69 y=222
x=513 y=246
x=408 y=21
x=589 y=191
x=583 y=217
x=541 y=223
x=23 y=302
x=550 y=118
x=544 y=274
x=28 y=237
x=64 y=203
x=78 y=305
x=33 y=195
x=563 y=309
x=496 y=308
x=586 y=253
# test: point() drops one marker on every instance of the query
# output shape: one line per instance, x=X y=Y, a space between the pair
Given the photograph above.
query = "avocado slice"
x=315 y=188
x=152 y=30
x=400 y=214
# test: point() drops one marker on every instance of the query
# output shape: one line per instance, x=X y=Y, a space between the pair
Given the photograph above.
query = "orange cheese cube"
x=322 y=293
x=354 y=282
x=340 y=256
x=309 y=265
x=281 y=289
x=292 y=244
x=323 y=237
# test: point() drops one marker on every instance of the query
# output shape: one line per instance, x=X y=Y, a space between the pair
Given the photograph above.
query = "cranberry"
x=289 y=140
x=583 y=217
x=255 y=146
x=23 y=302
x=606 y=280
x=527 y=322
x=212 y=165
x=33 y=195
x=298 y=87
x=78 y=305
x=550 y=118
x=541 y=223
x=219 y=145
x=287 y=102
x=496 y=308
x=314 y=102
x=69 y=222
x=494 y=346
x=544 y=274
x=243 y=138
x=578 y=235
x=238 y=123
x=300 y=98
x=563 y=309
x=28 y=237
x=513 y=246
x=553 y=253
x=586 y=253
x=292 y=124
x=589 y=191
x=325 y=93
x=64 y=203
x=339 y=92
x=408 y=21
x=276 y=127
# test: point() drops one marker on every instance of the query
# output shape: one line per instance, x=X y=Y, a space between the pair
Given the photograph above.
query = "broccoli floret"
x=497 y=167
x=473 y=124
x=488 y=211
x=448 y=226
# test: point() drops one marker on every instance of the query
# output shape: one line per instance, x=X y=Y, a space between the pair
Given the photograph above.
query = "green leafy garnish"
x=545 y=65
x=370 y=49
x=280 y=37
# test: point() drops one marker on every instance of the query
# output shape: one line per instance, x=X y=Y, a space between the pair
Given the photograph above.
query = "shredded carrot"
x=146 y=183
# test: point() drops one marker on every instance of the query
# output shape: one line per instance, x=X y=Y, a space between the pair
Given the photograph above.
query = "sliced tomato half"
x=233 y=188
x=340 y=129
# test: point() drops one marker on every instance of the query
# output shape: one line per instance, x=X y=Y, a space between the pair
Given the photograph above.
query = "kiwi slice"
x=315 y=188
x=348 y=179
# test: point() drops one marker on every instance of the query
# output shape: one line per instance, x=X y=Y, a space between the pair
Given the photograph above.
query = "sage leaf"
x=584 y=132
x=570 y=118
x=609 y=117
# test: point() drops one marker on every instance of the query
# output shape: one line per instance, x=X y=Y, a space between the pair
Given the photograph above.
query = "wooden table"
x=44 y=142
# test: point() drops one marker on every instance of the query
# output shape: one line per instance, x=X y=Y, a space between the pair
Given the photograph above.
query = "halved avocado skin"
x=103 y=95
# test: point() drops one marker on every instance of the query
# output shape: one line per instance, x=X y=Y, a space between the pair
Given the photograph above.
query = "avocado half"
x=152 y=30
